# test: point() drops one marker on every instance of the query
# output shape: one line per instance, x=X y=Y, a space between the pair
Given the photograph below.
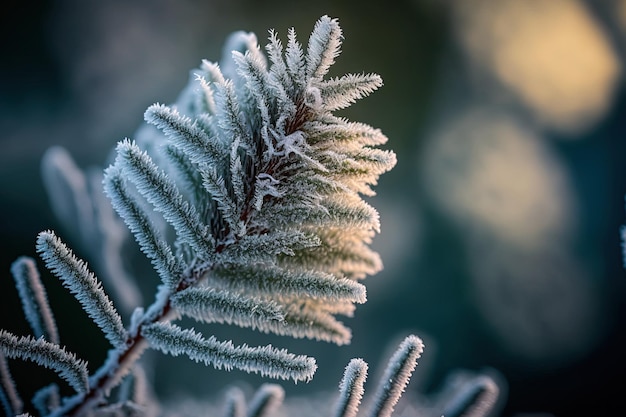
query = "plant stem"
x=119 y=363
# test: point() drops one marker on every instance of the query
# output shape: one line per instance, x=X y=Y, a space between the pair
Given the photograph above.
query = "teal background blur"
x=500 y=223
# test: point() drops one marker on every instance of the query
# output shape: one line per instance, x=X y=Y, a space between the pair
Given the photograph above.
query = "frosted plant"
x=245 y=195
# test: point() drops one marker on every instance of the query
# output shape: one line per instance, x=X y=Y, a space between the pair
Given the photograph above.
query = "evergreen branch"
x=266 y=400
x=163 y=194
x=348 y=211
x=267 y=361
x=265 y=186
x=213 y=73
x=34 y=299
x=351 y=389
x=83 y=284
x=294 y=148
x=396 y=376
x=360 y=169
x=313 y=184
x=266 y=315
x=274 y=49
x=344 y=308
x=241 y=42
x=86 y=212
x=169 y=267
x=48 y=355
x=262 y=186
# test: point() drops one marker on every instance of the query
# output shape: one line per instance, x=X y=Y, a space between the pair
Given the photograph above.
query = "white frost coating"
x=396 y=376
x=265 y=185
x=264 y=360
x=339 y=93
x=266 y=400
x=83 y=284
x=34 y=299
x=163 y=194
x=135 y=321
x=351 y=389
x=46 y=354
x=151 y=241
x=324 y=47
x=250 y=173
x=219 y=306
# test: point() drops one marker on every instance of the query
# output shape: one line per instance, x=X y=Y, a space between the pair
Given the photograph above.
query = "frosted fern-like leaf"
x=339 y=93
x=274 y=280
x=83 y=284
x=185 y=134
x=266 y=360
x=46 y=354
x=215 y=306
x=152 y=243
x=34 y=299
x=266 y=400
x=468 y=395
x=311 y=321
x=161 y=191
x=351 y=389
x=235 y=404
x=324 y=45
x=396 y=376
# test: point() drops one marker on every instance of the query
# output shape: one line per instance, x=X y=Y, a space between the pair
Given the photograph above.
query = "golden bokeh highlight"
x=552 y=55
x=487 y=171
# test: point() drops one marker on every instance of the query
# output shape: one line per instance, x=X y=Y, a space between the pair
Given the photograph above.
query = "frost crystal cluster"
x=262 y=185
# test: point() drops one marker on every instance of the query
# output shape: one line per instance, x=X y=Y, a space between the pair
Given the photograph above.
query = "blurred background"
x=500 y=223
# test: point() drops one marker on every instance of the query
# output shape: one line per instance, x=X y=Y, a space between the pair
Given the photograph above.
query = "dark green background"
x=81 y=73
